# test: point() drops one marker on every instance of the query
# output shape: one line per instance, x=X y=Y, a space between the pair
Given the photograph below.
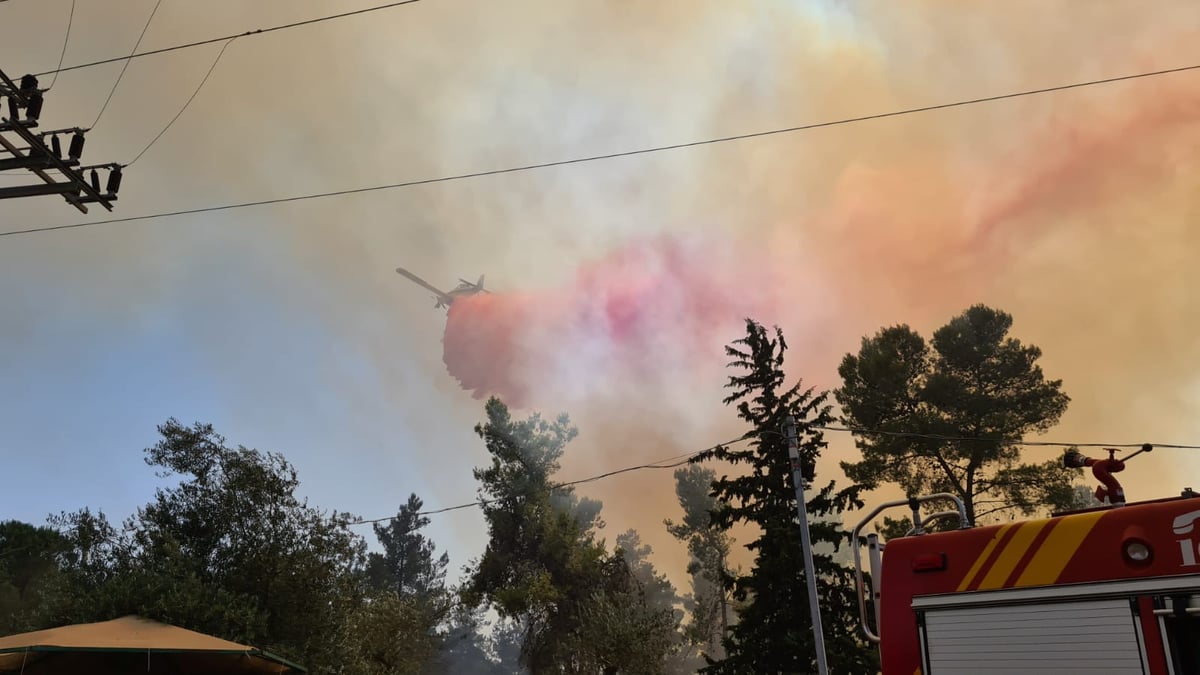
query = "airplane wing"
x=422 y=283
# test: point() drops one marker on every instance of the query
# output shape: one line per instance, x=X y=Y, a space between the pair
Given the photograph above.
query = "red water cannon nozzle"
x=1110 y=489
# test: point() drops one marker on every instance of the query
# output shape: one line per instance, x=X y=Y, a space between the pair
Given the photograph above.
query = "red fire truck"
x=1111 y=589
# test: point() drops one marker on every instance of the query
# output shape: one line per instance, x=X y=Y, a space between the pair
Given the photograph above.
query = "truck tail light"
x=933 y=562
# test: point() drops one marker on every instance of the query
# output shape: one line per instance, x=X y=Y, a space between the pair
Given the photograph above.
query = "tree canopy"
x=29 y=572
x=773 y=633
x=948 y=415
x=405 y=624
x=408 y=564
x=229 y=547
x=582 y=608
x=708 y=549
x=230 y=550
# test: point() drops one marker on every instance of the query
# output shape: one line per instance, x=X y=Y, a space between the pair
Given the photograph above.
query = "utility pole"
x=810 y=574
x=43 y=160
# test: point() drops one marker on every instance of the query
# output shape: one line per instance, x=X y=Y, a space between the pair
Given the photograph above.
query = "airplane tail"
x=479 y=284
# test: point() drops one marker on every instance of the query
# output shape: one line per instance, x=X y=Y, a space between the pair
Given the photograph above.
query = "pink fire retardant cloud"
x=654 y=305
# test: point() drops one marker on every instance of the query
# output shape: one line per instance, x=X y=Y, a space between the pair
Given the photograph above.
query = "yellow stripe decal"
x=1058 y=549
x=987 y=552
x=1012 y=554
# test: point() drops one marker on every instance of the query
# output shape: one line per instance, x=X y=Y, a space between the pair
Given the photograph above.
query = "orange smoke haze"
x=666 y=304
x=914 y=241
x=1075 y=211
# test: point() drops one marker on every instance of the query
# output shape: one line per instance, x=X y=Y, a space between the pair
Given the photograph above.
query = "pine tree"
x=708 y=547
x=582 y=609
x=409 y=564
x=972 y=382
x=774 y=630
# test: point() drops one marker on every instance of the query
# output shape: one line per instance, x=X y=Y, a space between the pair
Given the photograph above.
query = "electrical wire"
x=595 y=158
x=185 y=105
x=670 y=462
x=667 y=463
x=210 y=41
x=976 y=439
x=125 y=67
x=66 y=41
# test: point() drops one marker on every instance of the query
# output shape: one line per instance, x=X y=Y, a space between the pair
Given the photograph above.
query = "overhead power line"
x=1017 y=442
x=126 y=66
x=248 y=33
x=668 y=463
x=680 y=460
x=595 y=158
x=187 y=103
x=66 y=41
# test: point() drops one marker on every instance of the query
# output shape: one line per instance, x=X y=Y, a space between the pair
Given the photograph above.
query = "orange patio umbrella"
x=132 y=644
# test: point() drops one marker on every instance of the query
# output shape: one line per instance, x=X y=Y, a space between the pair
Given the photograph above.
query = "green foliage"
x=235 y=524
x=543 y=567
x=393 y=634
x=659 y=596
x=658 y=591
x=408 y=564
x=230 y=550
x=708 y=548
x=773 y=633
x=29 y=558
x=975 y=383
x=620 y=630
x=505 y=643
x=535 y=548
x=467 y=651
x=1079 y=497
x=402 y=626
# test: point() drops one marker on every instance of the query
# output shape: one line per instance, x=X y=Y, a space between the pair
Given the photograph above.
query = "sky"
x=615 y=283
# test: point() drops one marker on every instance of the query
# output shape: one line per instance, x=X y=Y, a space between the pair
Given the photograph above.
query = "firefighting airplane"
x=444 y=298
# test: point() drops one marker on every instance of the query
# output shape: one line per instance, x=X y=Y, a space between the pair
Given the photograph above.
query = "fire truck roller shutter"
x=1092 y=636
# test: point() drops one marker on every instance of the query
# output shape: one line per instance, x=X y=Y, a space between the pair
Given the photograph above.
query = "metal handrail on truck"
x=914 y=503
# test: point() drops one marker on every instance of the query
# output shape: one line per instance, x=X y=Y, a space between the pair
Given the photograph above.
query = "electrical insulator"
x=13 y=114
x=33 y=105
x=56 y=146
x=95 y=180
x=114 y=181
x=76 y=149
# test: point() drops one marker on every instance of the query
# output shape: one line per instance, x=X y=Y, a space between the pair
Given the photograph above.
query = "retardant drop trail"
x=655 y=305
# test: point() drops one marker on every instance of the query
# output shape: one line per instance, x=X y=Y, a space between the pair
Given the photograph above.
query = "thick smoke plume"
x=664 y=305
x=657 y=305
x=616 y=283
